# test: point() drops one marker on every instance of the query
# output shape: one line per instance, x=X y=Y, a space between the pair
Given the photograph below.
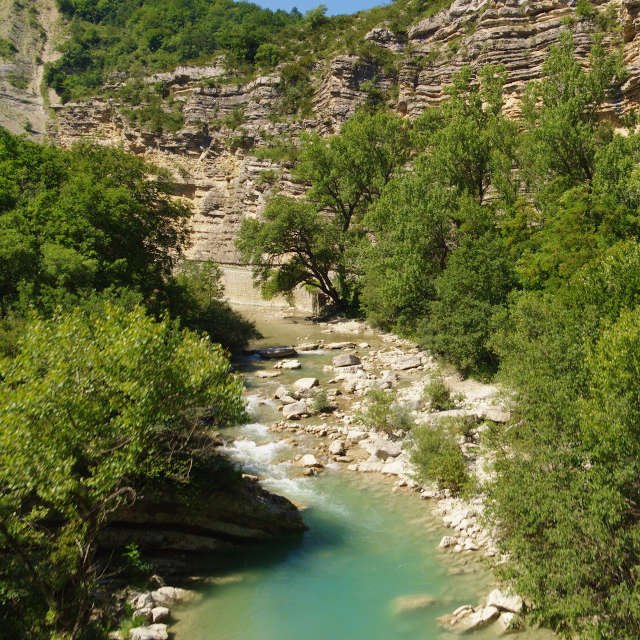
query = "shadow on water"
x=326 y=533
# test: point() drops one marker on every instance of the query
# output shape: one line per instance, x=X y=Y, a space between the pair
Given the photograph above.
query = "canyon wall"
x=223 y=158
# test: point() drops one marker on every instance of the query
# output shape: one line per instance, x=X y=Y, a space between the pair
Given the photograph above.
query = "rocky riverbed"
x=401 y=368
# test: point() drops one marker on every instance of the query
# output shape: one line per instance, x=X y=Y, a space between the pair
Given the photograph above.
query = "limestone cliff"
x=28 y=33
x=228 y=169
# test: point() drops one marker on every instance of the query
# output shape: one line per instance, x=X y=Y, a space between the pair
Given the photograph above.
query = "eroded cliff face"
x=228 y=172
x=28 y=32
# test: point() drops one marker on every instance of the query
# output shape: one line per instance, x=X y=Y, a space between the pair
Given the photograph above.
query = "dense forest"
x=108 y=357
x=509 y=247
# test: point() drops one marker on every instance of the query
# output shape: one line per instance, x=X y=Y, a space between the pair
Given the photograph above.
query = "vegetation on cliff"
x=512 y=246
x=107 y=38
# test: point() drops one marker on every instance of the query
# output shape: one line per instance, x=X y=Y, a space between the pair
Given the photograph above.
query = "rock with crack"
x=346 y=360
x=295 y=410
x=505 y=601
x=152 y=632
x=304 y=385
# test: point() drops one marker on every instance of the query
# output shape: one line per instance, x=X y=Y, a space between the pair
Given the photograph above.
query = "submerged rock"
x=403 y=604
x=340 y=345
x=275 y=353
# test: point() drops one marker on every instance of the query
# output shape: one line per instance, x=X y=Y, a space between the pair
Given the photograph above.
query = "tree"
x=311 y=240
x=96 y=400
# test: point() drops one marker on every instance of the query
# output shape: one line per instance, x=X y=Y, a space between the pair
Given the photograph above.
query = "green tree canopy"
x=95 y=401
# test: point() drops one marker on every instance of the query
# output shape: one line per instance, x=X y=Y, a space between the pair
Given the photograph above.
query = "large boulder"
x=216 y=510
x=346 y=360
x=340 y=345
x=275 y=353
x=465 y=619
x=304 y=385
x=505 y=601
x=295 y=410
x=152 y=632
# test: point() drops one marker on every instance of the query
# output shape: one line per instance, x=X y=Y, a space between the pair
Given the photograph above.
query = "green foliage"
x=92 y=403
x=437 y=394
x=320 y=402
x=438 y=457
x=311 y=241
x=146 y=35
x=384 y=413
x=7 y=49
x=196 y=297
x=96 y=219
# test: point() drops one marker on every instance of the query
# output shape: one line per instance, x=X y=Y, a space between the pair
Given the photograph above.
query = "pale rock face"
x=295 y=410
x=505 y=601
x=345 y=360
x=304 y=385
x=152 y=632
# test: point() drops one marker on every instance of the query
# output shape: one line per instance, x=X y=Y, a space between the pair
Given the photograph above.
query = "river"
x=370 y=551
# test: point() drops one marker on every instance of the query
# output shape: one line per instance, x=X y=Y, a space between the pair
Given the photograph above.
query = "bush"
x=439 y=459
x=383 y=413
x=320 y=402
x=437 y=395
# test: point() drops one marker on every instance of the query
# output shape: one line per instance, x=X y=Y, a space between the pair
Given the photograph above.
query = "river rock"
x=340 y=345
x=267 y=374
x=370 y=466
x=407 y=362
x=281 y=392
x=308 y=346
x=294 y=410
x=152 y=632
x=446 y=542
x=165 y=596
x=346 y=360
x=466 y=618
x=159 y=614
x=505 y=601
x=380 y=448
x=508 y=622
x=303 y=385
x=309 y=460
x=404 y=604
x=337 y=448
x=288 y=364
x=395 y=467
x=275 y=353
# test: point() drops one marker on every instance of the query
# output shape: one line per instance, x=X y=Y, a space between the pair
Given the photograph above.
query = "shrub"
x=320 y=402
x=383 y=413
x=437 y=395
x=438 y=458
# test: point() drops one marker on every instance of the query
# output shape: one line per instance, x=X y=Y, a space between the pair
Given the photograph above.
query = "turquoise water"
x=367 y=546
